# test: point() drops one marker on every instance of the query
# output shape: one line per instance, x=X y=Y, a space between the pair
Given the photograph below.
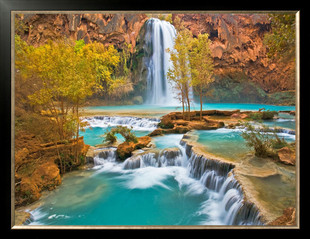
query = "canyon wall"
x=241 y=66
x=237 y=47
x=115 y=29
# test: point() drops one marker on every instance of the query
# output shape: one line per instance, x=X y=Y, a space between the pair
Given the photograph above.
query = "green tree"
x=179 y=74
x=127 y=133
x=201 y=63
x=280 y=41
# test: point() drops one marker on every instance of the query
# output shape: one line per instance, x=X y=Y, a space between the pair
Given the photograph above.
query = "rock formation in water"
x=124 y=150
x=173 y=123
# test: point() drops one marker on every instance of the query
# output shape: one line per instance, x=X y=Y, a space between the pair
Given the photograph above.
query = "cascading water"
x=136 y=123
x=159 y=36
x=214 y=175
x=212 y=183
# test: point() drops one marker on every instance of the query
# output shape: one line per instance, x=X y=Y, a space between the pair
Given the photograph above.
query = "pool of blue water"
x=94 y=136
x=112 y=196
x=160 y=110
x=228 y=143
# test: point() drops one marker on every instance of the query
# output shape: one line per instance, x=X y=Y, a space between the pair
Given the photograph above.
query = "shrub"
x=263 y=143
x=263 y=115
x=122 y=130
x=109 y=137
x=168 y=125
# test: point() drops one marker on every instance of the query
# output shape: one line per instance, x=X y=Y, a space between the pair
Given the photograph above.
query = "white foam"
x=136 y=123
x=147 y=177
x=55 y=216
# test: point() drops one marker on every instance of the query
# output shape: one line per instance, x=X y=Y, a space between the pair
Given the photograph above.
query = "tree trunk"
x=200 y=96
x=188 y=102
x=77 y=130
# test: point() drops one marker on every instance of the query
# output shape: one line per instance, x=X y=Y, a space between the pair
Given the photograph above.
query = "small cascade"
x=285 y=131
x=213 y=174
x=136 y=123
x=163 y=158
x=237 y=211
x=106 y=154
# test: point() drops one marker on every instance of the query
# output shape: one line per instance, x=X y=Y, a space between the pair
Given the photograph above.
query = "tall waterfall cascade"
x=158 y=38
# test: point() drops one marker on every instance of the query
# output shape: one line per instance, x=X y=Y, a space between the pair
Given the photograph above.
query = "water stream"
x=159 y=37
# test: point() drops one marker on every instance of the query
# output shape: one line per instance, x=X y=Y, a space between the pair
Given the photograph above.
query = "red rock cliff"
x=237 y=46
x=106 y=28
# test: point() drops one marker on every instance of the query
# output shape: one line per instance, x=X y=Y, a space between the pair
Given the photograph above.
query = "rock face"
x=237 y=47
x=113 y=29
x=38 y=166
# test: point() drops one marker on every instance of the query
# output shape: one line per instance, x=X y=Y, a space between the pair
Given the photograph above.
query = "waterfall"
x=163 y=158
x=214 y=175
x=105 y=154
x=159 y=36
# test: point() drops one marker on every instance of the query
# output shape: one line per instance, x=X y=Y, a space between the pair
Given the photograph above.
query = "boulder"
x=143 y=142
x=243 y=116
x=46 y=176
x=287 y=156
x=124 y=150
x=29 y=191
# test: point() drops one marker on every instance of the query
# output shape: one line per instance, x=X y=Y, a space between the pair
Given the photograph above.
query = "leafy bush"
x=109 y=137
x=264 y=143
x=263 y=115
x=168 y=125
x=122 y=130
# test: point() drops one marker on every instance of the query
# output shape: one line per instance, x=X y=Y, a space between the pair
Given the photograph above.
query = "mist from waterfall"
x=159 y=37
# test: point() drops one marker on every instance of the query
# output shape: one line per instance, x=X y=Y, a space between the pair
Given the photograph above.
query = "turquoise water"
x=93 y=136
x=112 y=196
x=159 y=110
x=285 y=121
x=228 y=143
x=168 y=141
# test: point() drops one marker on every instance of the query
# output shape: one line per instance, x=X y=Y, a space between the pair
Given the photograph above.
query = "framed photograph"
x=145 y=119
